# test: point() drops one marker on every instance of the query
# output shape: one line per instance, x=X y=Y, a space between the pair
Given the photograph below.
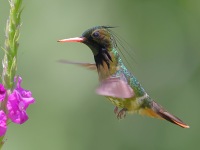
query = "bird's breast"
x=131 y=104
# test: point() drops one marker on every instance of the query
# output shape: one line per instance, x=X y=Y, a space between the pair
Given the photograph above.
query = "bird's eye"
x=96 y=34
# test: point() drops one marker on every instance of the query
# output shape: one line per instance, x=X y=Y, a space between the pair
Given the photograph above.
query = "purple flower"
x=2 y=92
x=3 y=126
x=18 y=102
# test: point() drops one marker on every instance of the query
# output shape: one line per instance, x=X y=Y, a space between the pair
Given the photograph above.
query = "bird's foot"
x=122 y=113
x=116 y=110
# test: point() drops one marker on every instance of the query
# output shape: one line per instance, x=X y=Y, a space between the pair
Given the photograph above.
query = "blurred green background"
x=165 y=40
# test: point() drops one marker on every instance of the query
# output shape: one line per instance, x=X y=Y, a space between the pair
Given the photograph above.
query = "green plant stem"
x=11 y=47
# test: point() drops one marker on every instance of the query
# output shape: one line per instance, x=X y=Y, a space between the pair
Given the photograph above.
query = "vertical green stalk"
x=11 y=44
x=11 y=47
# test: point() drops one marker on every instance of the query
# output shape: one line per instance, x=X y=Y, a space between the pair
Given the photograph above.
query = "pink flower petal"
x=3 y=127
x=18 y=102
x=2 y=92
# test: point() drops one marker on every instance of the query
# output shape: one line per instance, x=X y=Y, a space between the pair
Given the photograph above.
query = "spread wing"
x=115 y=87
x=112 y=86
x=90 y=66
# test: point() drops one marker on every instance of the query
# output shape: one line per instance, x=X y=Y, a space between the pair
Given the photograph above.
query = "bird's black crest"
x=107 y=27
x=89 y=31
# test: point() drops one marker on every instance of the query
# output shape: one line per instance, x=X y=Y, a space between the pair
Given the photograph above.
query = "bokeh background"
x=164 y=40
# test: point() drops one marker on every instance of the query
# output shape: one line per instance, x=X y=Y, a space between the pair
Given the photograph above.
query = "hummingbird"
x=116 y=82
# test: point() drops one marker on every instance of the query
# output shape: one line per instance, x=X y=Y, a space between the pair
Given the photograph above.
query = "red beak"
x=76 y=39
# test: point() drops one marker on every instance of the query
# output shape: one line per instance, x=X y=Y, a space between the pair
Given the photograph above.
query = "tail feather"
x=157 y=111
x=169 y=117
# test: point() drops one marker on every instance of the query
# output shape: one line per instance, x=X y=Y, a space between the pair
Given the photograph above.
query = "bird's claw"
x=122 y=113
x=116 y=110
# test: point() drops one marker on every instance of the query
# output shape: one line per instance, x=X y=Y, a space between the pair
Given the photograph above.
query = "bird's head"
x=97 y=39
x=100 y=40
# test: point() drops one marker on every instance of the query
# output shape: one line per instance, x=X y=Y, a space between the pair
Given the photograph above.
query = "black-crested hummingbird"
x=117 y=83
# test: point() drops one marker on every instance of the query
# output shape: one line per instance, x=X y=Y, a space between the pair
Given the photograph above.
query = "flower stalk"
x=14 y=100
x=11 y=44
